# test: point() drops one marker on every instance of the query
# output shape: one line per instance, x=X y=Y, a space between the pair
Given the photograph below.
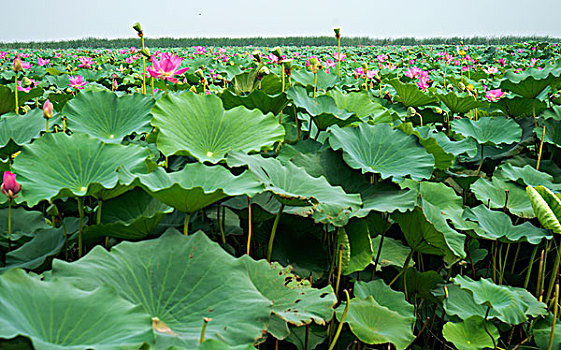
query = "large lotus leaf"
x=493 y=194
x=421 y=283
x=552 y=132
x=133 y=215
x=410 y=95
x=380 y=149
x=460 y=104
x=496 y=225
x=46 y=244
x=489 y=131
x=528 y=174
x=531 y=82
x=306 y=78
x=442 y=159
x=386 y=199
x=385 y=296
x=510 y=309
x=547 y=207
x=7 y=98
x=361 y=104
x=57 y=165
x=110 y=118
x=323 y=109
x=542 y=334
x=194 y=187
x=178 y=280
x=466 y=146
x=315 y=335
x=520 y=107
x=359 y=246
x=213 y=344
x=24 y=223
x=17 y=130
x=256 y=99
x=198 y=125
x=294 y=300
x=460 y=303
x=470 y=334
x=393 y=253
x=57 y=316
x=373 y=323
x=293 y=186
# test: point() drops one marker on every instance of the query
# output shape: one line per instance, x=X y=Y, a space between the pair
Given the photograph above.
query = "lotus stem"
x=306 y=339
x=206 y=320
x=555 y=312
x=534 y=112
x=98 y=216
x=297 y=123
x=481 y=162
x=445 y=67
x=339 y=266
x=515 y=257
x=9 y=224
x=379 y=251
x=315 y=82
x=273 y=232
x=532 y=257
x=152 y=84
x=340 y=327
x=221 y=223
x=540 y=269
x=248 y=224
x=143 y=68
x=407 y=260
x=553 y=275
x=166 y=87
x=186 y=224
x=63 y=124
x=80 y=226
x=16 y=93
x=503 y=265
x=339 y=57
x=282 y=75
x=47 y=127
x=486 y=329
x=541 y=149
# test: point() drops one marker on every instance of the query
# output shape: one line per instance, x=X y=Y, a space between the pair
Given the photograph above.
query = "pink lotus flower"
x=423 y=83
x=273 y=58
x=382 y=58
x=341 y=58
x=77 y=82
x=167 y=68
x=201 y=50
x=491 y=70
x=10 y=187
x=85 y=62
x=41 y=62
x=494 y=95
x=413 y=72
x=371 y=73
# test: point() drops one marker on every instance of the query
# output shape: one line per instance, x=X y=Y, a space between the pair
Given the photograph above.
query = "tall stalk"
x=273 y=233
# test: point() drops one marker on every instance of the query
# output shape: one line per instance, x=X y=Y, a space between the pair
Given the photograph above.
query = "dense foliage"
x=234 y=198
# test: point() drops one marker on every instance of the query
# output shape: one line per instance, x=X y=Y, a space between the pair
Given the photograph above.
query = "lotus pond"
x=286 y=198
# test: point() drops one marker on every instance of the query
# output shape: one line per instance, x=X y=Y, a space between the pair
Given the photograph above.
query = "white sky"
x=40 y=20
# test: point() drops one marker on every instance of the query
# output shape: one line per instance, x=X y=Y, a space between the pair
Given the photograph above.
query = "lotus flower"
x=491 y=70
x=47 y=110
x=341 y=58
x=17 y=65
x=85 y=62
x=494 y=95
x=167 y=68
x=10 y=187
x=77 y=82
x=41 y=62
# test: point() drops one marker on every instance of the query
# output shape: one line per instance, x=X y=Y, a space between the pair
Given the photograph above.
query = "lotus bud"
x=115 y=86
x=146 y=52
x=200 y=73
x=313 y=62
x=114 y=76
x=461 y=86
x=10 y=187
x=219 y=77
x=287 y=65
x=411 y=111
x=18 y=67
x=25 y=109
x=26 y=81
x=138 y=29
x=47 y=110
x=277 y=52
x=438 y=111
x=337 y=33
x=364 y=67
x=469 y=87
x=257 y=55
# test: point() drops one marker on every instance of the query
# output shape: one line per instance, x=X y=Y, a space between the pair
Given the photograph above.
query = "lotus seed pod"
x=199 y=73
x=438 y=110
x=138 y=28
x=364 y=67
x=461 y=86
x=18 y=67
x=313 y=61
x=146 y=52
x=26 y=81
x=277 y=52
x=337 y=33
x=257 y=55
x=411 y=111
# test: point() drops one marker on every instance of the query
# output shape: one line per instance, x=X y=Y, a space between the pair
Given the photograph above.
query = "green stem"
x=553 y=275
x=98 y=216
x=166 y=86
x=515 y=257
x=206 y=320
x=480 y=163
x=65 y=237
x=220 y=224
x=487 y=330
x=407 y=260
x=315 y=82
x=532 y=257
x=186 y=224
x=339 y=57
x=555 y=312
x=503 y=265
x=249 y=228
x=273 y=232
x=16 y=94
x=9 y=225
x=80 y=226
x=340 y=327
x=339 y=266
x=143 y=69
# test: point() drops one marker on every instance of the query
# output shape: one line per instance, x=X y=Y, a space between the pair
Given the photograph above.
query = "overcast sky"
x=40 y=20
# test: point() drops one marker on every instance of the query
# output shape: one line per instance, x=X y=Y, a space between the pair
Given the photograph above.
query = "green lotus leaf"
x=421 y=283
x=466 y=146
x=470 y=334
x=178 y=280
x=194 y=187
x=17 y=130
x=385 y=296
x=393 y=252
x=460 y=303
x=496 y=225
x=103 y=115
x=198 y=125
x=73 y=166
x=386 y=199
x=542 y=334
x=552 y=132
x=489 y=131
x=294 y=300
x=315 y=335
x=293 y=186
x=133 y=215
x=361 y=104
x=410 y=95
x=359 y=246
x=553 y=113
x=24 y=223
x=373 y=323
x=510 y=309
x=528 y=174
x=547 y=207
x=532 y=81
x=306 y=78
x=442 y=159
x=7 y=98
x=323 y=109
x=56 y=316
x=256 y=99
x=213 y=344
x=380 y=149
x=493 y=194
x=520 y=107
x=460 y=103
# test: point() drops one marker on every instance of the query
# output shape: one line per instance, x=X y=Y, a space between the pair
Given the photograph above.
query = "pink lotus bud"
x=10 y=187
x=17 y=65
x=115 y=85
x=47 y=110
